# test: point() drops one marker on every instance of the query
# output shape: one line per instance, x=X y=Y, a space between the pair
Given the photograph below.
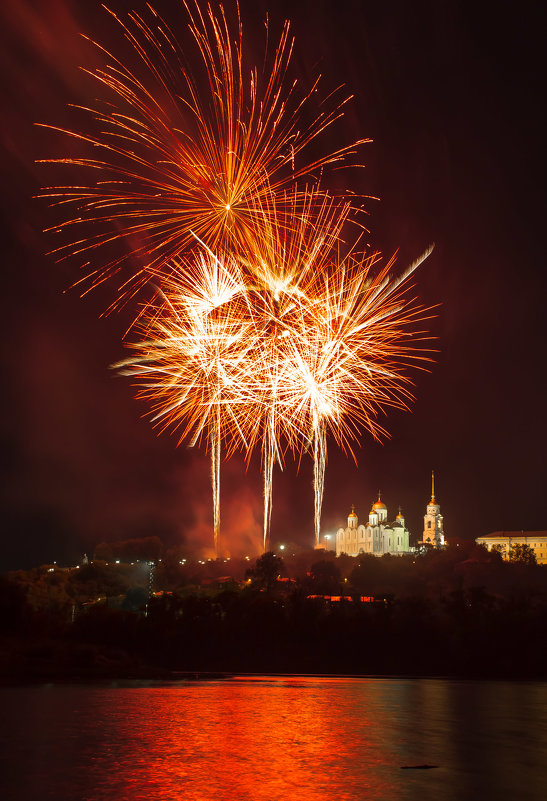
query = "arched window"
x=429 y=523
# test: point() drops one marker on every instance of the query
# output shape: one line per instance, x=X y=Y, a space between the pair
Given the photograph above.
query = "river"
x=265 y=739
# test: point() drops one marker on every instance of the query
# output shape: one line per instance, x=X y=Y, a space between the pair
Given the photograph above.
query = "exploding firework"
x=283 y=369
x=180 y=153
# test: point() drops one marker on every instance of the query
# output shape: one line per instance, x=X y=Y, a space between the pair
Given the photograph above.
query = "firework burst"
x=179 y=152
x=281 y=370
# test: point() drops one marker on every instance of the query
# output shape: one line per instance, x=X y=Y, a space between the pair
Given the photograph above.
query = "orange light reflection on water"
x=259 y=740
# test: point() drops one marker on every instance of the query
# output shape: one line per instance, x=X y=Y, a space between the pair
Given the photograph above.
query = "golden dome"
x=379 y=503
x=399 y=517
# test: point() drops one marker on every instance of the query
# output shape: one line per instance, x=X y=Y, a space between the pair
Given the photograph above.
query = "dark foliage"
x=267 y=570
x=461 y=611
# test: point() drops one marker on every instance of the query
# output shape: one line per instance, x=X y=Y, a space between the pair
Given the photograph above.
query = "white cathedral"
x=380 y=537
x=377 y=536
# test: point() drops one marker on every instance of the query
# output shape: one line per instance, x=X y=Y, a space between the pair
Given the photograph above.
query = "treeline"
x=461 y=611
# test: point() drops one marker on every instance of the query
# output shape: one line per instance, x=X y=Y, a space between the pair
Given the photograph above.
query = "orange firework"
x=179 y=154
x=278 y=364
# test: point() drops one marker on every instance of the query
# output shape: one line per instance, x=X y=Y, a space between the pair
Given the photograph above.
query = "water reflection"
x=307 y=739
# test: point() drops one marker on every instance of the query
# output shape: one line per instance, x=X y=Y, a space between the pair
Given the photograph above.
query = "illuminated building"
x=377 y=537
x=504 y=540
x=433 y=522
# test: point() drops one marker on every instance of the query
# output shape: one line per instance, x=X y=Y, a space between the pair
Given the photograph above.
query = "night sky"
x=452 y=93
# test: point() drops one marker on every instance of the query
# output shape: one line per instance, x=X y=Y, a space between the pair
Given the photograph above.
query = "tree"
x=367 y=577
x=15 y=611
x=522 y=554
x=266 y=571
x=499 y=549
x=135 y=599
x=325 y=578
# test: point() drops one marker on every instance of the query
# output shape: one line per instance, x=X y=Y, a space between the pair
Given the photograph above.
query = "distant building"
x=433 y=522
x=377 y=537
x=503 y=540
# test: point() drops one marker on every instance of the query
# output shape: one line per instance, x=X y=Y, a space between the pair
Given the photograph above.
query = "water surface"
x=264 y=739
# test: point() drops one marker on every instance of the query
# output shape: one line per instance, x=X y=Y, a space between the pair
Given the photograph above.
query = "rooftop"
x=514 y=534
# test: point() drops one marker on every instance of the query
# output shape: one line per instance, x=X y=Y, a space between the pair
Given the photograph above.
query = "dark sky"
x=452 y=93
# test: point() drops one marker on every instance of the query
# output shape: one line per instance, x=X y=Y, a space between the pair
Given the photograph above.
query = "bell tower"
x=433 y=521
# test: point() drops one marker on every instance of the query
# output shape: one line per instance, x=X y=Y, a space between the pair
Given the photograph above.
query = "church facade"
x=377 y=537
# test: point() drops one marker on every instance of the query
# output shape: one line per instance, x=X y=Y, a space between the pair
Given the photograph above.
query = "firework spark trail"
x=319 y=465
x=215 y=443
x=167 y=162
